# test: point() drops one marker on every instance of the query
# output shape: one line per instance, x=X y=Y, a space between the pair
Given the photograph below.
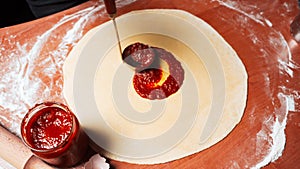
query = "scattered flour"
x=18 y=70
x=276 y=138
x=19 y=81
x=23 y=82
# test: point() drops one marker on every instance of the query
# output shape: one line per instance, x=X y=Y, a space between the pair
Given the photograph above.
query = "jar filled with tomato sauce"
x=53 y=134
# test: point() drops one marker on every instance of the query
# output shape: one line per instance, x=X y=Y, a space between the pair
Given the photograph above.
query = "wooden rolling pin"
x=16 y=153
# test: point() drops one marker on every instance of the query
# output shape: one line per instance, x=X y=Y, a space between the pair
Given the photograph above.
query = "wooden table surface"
x=32 y=55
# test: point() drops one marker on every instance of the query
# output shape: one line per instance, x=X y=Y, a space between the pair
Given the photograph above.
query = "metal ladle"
x=111 y=9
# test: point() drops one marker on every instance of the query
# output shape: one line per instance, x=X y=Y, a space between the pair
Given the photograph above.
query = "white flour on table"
x=23 y=81
x=276 y=138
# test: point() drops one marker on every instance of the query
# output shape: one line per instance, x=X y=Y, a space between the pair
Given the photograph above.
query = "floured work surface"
x=211 y=101
x=32 y=56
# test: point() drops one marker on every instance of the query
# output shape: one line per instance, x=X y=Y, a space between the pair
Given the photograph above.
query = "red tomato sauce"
x=147 y=82
x=49 y=128
x=53 y=133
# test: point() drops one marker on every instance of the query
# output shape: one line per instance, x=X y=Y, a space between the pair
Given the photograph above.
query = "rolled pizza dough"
x=190 y=110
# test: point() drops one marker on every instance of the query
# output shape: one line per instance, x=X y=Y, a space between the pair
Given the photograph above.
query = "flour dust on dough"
x=110 y=71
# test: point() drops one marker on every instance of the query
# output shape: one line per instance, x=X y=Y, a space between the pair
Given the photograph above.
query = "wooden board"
x=32 y=56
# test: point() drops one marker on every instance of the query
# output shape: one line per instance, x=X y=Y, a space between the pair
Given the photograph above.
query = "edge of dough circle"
x=208 y=121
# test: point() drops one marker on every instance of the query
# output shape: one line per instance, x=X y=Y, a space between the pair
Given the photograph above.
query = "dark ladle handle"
x=110 y=6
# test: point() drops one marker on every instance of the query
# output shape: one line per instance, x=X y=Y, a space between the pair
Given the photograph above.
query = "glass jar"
x=53 y=134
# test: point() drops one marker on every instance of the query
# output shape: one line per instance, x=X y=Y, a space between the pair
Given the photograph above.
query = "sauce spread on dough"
x=150 y=80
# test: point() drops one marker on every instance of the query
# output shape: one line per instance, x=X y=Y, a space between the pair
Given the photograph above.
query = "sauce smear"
x=151 y=80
